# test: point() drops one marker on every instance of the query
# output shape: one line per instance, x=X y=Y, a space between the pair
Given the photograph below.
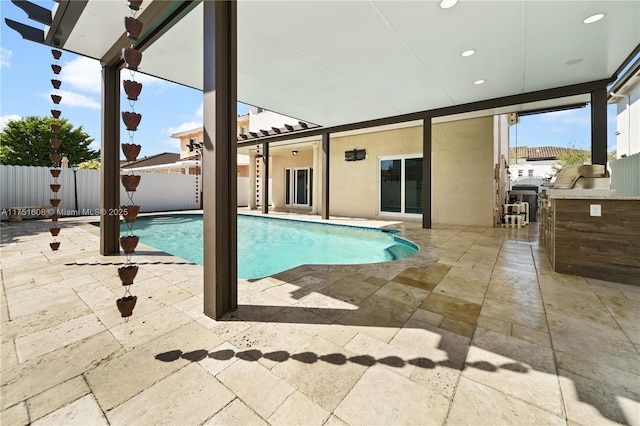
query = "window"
x=530 y=173
x=260 y=110
x=400 y=185
x=520 y=172
x=298 y=191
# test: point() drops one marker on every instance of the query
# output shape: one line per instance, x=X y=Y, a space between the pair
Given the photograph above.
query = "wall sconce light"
x=355 y=155
x=294 y=152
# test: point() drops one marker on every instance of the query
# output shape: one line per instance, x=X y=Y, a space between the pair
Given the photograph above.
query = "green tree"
x=25 y=142
x=90 y=164
x=574 y=156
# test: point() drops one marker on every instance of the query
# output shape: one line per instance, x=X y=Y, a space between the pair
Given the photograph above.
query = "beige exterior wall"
x=281 y=161
x=354 y=184
x=463 y=178
x=463 y=171
x=197 y=134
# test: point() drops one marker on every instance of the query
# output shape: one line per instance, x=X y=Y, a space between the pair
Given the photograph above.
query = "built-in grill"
x=571 y=181
x=591 y=176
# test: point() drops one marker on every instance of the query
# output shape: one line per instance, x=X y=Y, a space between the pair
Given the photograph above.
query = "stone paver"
x=476 y=328
x=84 y=411
x=384 y=397
x=189 y=396
x=57 y=397
x=475 y=403
x=236 y=413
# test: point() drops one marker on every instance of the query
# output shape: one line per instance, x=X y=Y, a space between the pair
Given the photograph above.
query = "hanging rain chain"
x=198 y=171
x=258 y=177
x=54 y=155
x=130 y=181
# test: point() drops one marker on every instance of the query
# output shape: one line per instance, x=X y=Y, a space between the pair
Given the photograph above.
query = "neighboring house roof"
x=194 y=156
x=153 y=160
x=540 y=153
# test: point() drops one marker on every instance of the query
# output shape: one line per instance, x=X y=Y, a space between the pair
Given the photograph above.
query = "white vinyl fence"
x=26 y=186
x=243 y=191
x=625 y=175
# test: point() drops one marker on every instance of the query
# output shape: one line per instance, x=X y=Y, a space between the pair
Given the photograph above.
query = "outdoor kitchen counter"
x=592 y=235
x=592 y=197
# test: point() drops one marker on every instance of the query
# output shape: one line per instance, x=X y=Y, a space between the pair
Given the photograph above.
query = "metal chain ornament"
x=258 y=177
x=130 y=181
x=54 y=155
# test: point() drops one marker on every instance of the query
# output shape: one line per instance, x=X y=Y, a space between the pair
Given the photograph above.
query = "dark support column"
x=599 y=126
x=426 y=172
x=325 y=175
x=219 y=159
x=110 y=161
x=265 y=178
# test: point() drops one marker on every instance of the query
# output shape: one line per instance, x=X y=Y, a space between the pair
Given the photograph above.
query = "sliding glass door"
x=400 y=185
x=298 y=187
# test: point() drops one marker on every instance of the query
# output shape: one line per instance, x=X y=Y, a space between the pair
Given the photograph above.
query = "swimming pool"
x=267 y=246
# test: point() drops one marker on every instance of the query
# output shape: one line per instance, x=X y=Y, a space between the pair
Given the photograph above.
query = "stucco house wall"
x=354 y=184
x=463 y=171
x=540 y=169
x=463 y=177
x=263 y=119
x=279 y=162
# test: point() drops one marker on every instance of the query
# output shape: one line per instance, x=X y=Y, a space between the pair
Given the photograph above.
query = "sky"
x=168 y=108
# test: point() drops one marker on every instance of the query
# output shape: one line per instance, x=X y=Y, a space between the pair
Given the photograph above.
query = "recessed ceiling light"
x=468 y=52
x=446 y=4
x=478 y=82
x=593 y=18
x=574 y=61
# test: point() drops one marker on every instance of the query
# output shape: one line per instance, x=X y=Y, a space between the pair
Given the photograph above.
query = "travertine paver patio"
x=475 y=329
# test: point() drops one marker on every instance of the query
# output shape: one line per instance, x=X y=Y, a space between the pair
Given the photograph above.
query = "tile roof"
x=539 y=153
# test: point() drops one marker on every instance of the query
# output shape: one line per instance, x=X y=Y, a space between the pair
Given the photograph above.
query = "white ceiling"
x=338 y=62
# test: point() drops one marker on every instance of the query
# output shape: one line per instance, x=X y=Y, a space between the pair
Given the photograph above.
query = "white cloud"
x=4 y=119
x=172 y=143
x=82 y=74
x=195 y=123
x=189 y=125
x=200 y=111
x=74 y=99
x=85 y=75
x=95 y=145
x=574 y=126
x=567 y=120
x=5 y=56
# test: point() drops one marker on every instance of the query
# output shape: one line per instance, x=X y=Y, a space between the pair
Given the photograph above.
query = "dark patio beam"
x=540 y=95
x=34 y=12
x=63 y=21
x=110 y=162
x=27 y=32
x=326 y=138
x=265 y=178
x=158 y=17
x=599 y=126
x=219 y=158
x=427 y=149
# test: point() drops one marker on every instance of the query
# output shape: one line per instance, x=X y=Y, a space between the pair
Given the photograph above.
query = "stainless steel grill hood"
x=591 y=176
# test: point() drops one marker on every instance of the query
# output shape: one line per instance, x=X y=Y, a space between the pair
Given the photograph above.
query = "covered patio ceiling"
x=339 y=62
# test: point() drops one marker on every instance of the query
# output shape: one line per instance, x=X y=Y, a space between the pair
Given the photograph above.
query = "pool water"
x=268 y=246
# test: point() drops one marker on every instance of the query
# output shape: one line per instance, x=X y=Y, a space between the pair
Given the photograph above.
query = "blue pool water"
x=268 y=246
